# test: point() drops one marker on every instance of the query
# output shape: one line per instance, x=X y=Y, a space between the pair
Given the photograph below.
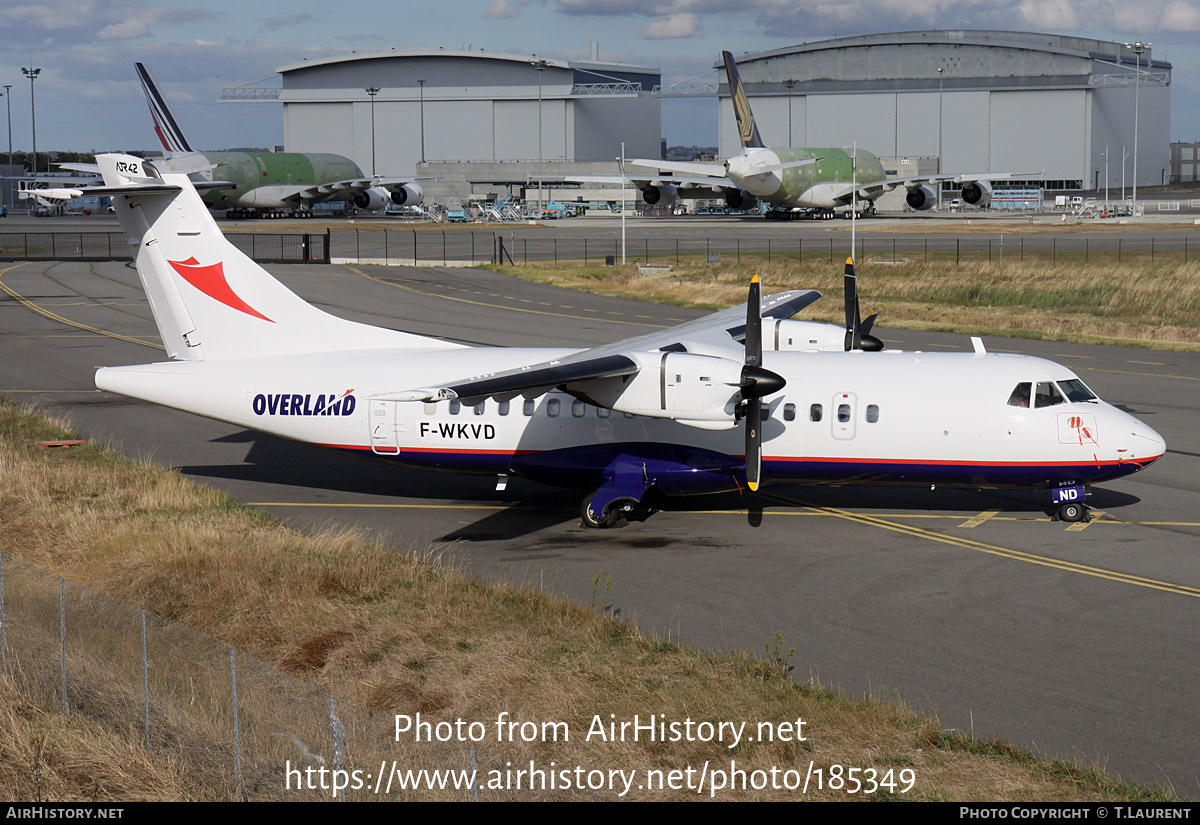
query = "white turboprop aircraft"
x=653 y=413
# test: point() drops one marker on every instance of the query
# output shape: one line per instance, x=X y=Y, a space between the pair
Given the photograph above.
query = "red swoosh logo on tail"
x=211 y=281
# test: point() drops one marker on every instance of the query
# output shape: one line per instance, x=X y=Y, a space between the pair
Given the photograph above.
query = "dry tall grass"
x=398 y=631
x=1156 y=305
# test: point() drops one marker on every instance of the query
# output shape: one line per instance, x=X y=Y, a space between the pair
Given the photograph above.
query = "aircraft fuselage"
x=867 y=418
x=815 y=186
x=262 y=179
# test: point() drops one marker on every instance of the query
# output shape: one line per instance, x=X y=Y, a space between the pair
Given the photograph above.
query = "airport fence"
x=465 y=247
x=408 y=247
x=267 y=248
x=233 y=724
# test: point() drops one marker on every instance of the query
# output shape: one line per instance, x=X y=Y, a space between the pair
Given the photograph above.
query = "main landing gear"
x=605 y=515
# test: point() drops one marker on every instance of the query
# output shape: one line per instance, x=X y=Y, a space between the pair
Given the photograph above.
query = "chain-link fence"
x=239 y=728
x=264 y=247
x=425 y=247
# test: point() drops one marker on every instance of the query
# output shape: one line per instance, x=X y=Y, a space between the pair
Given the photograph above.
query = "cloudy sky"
x=87 y=97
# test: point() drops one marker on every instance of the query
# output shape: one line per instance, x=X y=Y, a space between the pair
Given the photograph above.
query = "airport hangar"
x=469 y=114
x=1003 y=102
x=966 y=101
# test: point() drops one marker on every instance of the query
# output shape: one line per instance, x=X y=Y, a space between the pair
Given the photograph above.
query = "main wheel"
x=1071 y=511
x=608 y=518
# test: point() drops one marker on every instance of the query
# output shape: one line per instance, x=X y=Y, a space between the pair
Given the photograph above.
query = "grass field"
x=399 y=630
x=1138 y=303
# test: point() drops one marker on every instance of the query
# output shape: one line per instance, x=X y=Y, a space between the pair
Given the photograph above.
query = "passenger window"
x=814 y=412
x=552 y=407
x=843 y=413
x=502 y=408
x=430 y=408
x=872 y=413
x=578 y=408
x=528 y=407
x=1020 y=395
x=455 y=406
x=789 y=412
x=479 y=408
x=603 y=412
x=1076 y=391
x=1047 y=395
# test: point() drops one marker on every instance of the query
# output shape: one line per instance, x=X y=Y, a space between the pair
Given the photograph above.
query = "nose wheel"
x=1073 y=511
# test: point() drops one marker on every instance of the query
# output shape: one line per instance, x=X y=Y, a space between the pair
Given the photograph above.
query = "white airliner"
x=654 y=414
x=821 y=178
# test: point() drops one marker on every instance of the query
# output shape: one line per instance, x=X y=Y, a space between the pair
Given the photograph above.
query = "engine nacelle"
x=921 y=198
x=661 y=194
x=977 y=193
x=410 y=194
x=679 y=385
x=372 y=200
x=740 y=199
x=803 y=336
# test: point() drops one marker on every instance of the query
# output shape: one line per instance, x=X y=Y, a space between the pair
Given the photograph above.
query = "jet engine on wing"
x=977 y=193
x=373 y=199
x=921 y=197
x=740 y=199
x=408 y=194
x=660 y=194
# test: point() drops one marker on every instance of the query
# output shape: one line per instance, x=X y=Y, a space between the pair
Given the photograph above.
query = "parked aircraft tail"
x=747 y=128
x=210 y=301
x=169 y=132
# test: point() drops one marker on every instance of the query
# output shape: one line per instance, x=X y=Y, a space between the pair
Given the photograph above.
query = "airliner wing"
x=685 y=167
x=891 y=183
x=717 y=335
x=324 y=191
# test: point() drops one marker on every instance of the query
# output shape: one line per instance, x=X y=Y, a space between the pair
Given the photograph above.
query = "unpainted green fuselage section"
x=813 y=185
x=252 y=170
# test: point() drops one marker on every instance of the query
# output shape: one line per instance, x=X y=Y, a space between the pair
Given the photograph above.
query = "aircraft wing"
x=685 y=167
x=324 y=191
x=715 y=185
x=717 y=335
x=892 y=183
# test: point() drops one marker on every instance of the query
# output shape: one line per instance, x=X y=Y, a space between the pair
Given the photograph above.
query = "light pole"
x=372 y=91
x=1106 y=203
x=8 y=104
x=622 y=203
x=32 y=75
x=940 y=71
x=790 y=85
x=1139 y=49
x=541 y=66
x=421 y=83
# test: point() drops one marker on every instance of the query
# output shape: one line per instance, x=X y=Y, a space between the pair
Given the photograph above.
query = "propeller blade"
x=753 y=443
x=850 y=294
x=754 y=324
x=868 y=341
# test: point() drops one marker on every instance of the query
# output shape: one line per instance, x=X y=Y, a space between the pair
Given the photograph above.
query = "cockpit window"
x=1076 y=391
x=1047 y=395
x=1020 y=395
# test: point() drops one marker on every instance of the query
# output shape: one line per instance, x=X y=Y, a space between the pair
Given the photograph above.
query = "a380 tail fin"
x=210 y=301
x=747 y=128
x=165 y=125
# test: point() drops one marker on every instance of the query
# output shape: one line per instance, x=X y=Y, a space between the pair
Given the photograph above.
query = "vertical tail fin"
x=210 y=301
x=747 y=128
x=169 y=132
